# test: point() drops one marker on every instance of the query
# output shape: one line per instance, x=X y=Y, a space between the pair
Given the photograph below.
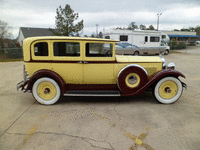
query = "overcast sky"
x=176 y=14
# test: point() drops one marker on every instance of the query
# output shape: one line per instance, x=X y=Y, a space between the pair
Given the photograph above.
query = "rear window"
x=41 y=49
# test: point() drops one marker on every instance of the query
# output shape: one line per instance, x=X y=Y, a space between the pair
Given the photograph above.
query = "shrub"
x=15 y=53
x=174 y=45
x=181 y=45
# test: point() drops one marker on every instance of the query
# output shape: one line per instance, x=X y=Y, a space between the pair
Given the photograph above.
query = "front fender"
x=46 y=73
x=157 y=77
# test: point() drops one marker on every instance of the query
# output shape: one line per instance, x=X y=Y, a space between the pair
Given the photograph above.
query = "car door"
x=98 y=63
x=67 y=60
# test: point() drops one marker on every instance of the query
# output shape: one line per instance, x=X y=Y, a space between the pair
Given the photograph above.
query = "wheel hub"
x=168 y=90
x=46 y=91
x=132 y=79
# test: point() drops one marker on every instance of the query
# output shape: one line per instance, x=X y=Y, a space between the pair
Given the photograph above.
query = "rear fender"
x=156 y=78
x=46 y=73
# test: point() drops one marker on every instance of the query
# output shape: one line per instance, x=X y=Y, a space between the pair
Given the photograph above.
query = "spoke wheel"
x=46 y=91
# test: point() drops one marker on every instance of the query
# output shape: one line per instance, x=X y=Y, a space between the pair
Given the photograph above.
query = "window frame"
x=99 y=58
x=96 y=55
x=65 y=47
x=70 y=58
x=34 y=57
x=120 y=36
x=154 y=37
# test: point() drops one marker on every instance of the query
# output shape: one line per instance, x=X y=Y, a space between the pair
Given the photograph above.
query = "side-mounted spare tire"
x=131 y=78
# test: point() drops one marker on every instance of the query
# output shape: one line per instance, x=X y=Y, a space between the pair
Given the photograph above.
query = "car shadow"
x=146 y=97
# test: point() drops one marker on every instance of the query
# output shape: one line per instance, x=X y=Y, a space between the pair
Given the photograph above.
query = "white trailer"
x=139 y=42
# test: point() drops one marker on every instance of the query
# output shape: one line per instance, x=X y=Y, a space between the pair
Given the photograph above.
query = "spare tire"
x=131 y=78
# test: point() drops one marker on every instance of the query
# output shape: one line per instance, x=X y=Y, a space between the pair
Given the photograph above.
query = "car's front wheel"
x=168 y=90
x=166 y=52
x=46 y=91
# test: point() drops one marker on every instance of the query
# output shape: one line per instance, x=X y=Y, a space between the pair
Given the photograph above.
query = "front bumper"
x=184 y=85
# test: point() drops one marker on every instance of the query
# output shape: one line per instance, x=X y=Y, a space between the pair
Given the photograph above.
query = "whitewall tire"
x=168 y=90
x=46 y=91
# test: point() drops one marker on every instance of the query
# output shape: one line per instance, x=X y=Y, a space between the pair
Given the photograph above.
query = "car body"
x=197 y=43
x=58 y=66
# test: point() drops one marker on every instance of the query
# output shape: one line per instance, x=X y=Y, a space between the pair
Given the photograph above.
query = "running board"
x=92 y=93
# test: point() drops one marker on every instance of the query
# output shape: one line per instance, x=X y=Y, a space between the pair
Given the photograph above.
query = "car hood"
x=138 y=59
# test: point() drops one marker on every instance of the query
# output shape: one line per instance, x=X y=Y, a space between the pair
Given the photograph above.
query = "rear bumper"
x=21 y=85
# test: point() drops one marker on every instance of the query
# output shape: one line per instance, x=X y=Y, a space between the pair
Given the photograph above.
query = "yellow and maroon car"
x=72 y=66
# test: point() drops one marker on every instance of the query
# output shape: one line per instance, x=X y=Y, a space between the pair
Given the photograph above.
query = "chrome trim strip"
x=93 y=93
x=103 y=95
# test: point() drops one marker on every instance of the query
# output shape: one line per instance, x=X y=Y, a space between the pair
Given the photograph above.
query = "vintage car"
x=72 y=66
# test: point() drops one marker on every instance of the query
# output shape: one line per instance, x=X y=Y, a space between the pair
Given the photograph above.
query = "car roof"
x=68 y=38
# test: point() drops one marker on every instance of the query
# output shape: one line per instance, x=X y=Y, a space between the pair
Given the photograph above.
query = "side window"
x=107 y=37
x=123 y=38
x=66 y=49
x=41 y=49
x=99 y=50
x=146 y=38
x=154 y=39
x=164 y=36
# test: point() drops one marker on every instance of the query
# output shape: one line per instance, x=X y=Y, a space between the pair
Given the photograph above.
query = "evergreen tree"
x=132 y=26
x=65 y=22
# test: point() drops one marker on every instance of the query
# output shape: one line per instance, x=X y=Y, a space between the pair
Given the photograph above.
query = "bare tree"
x=4 y=32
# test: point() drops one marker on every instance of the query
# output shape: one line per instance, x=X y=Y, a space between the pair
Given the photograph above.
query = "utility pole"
x=97 y=30
x=159 y=14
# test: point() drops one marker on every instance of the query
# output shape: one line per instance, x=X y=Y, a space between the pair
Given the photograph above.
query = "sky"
x=108 y=14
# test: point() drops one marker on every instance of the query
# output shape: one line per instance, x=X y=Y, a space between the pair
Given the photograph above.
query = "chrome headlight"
x=163 y=62
x=171 y=65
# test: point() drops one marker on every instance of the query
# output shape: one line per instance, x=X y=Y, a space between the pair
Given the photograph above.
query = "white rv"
x=139 y=42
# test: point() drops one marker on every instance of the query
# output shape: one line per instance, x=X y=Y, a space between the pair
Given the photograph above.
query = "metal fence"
x=13 y=53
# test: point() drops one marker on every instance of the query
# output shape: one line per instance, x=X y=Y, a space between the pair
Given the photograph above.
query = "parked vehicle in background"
x=197 y=43
x=143 y=42
x=72 y=66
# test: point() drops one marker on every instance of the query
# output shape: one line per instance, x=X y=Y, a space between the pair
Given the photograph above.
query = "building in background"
x=25 y=32
x=182 y=35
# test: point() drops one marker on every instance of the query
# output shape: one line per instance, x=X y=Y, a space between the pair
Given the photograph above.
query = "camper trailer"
x=140 y=42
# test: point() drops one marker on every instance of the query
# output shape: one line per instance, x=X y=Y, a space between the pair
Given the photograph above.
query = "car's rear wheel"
x=168 y=90
x=46 y=91
x=136 y=53
x=166 y=52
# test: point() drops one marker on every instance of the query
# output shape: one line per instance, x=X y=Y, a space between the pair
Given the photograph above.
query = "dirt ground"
x=96 y=123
